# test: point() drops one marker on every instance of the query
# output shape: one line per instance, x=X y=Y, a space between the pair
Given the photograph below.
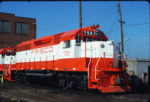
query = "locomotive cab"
x=87 y=42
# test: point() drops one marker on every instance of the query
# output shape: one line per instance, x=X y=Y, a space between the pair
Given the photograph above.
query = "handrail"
x=95 y=68
x=89 y=63
x=89 y=67
x=114 y=60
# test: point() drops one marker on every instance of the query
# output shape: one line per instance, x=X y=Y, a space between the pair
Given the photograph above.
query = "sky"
x=53 y=17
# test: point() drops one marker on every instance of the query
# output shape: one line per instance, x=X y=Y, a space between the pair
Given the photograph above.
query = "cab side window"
x=67 y=44
x=78 y=40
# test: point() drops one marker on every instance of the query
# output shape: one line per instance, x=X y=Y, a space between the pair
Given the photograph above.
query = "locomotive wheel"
x=62 y=84
x=82 y=82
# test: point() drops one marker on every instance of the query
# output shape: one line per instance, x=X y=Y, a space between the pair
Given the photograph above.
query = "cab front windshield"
x=87 y=39
x=89 y=36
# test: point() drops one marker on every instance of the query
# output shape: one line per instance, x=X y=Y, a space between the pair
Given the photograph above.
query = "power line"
x=126 y=26
x=101 y=15
x=112 y=26
x=138 y=24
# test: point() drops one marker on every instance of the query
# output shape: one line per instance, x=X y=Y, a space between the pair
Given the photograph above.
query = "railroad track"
x=13 y=98
x=20 y=92
x=7 y=96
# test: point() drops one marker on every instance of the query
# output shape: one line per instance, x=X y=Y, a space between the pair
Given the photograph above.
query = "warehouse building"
x=14 y=29
x=139 y=71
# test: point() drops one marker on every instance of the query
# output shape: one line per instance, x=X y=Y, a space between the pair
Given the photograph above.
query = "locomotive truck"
x=83 y=58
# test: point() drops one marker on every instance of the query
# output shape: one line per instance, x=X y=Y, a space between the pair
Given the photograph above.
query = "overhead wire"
x=126 y=26
x=144 y=23
x=112 y=26
x=99 y=16
x=106 y=14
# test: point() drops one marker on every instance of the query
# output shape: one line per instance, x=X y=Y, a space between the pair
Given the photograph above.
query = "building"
x=139 y=71
x=14 y=29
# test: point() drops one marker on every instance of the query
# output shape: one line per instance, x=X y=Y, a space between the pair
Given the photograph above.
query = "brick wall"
x=11 y=38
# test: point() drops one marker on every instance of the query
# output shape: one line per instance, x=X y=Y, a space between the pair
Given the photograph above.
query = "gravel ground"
x=23 y=93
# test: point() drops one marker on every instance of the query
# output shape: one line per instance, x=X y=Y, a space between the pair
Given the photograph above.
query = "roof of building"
x=11 y=14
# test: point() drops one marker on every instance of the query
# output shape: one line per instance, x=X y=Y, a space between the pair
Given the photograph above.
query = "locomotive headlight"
x=117 y=81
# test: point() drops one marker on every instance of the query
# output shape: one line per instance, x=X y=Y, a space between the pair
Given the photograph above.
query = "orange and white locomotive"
x=83 y=58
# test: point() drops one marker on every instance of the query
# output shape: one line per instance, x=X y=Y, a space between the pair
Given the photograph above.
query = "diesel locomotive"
x=83 y=58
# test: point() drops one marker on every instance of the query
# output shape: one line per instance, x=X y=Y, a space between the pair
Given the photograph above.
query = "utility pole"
x=121 y=28
x=80 y=14
x=149 y=34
